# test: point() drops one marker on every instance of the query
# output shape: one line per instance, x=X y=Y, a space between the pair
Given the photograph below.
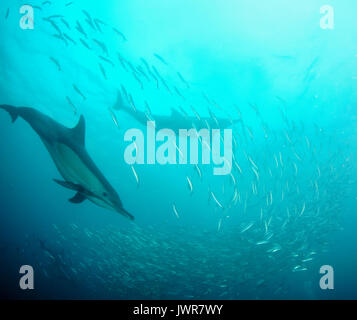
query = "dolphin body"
x=176 y=120
x=67 y=149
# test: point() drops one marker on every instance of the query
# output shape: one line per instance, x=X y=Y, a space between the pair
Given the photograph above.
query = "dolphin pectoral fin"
x=11 y=110
x=78 y=198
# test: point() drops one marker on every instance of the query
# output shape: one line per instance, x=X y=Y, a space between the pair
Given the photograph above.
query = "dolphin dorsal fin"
x=79 y=131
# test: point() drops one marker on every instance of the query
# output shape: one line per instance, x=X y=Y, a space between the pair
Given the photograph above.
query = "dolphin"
x=67 y=149
x=175 y=121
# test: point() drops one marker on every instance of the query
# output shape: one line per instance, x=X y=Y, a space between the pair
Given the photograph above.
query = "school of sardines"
x=286 y=191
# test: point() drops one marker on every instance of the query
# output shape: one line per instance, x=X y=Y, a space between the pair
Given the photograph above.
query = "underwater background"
x=263 y=232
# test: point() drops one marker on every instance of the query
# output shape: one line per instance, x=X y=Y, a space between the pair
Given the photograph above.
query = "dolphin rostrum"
x=175 y=121
x=67 y=149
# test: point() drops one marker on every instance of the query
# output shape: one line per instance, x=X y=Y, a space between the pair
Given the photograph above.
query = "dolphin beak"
x=125 y=213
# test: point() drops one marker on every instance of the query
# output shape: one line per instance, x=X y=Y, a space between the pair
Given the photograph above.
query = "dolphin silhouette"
x=67 y=149
x=176 y=120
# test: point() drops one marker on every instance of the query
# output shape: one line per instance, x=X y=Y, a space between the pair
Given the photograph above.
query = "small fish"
x=302 y=210
x=122 y=62
x=46 y=2
x=281 y=159
x=69 y=38
x=254 y=188
x=166 y=86
x=149 y=118
x=256 y=173
x=215 y=200
x=136 y=175
x=198 y=170
x=271 y=197
x=148 y=108
x=85 y=44
x=276 y=248
x=60 y=37
x=179 y=93
x=87 y=14
x=276 y=161
x=183 y=111
x=107 y=61
x=155 y=78
x=7 y=13
x=247 y=227
x=189 y=184
x=131 y=66
x=238 y=167
x=299 y=268
x=287 y=137
x=318 y=171
x=68 y=4
x=80 y=29
x=142 y=72
x=233 y=179
x=252 y=162
x=78 y=91
x=160 y=58
x=125 y=92
x=138 y=80
x=103 y=71
x=316 y=187
x=235 y=197
x=90 y=23
x=175 y=211
x=296 y=168
x=97 y=23
x=100 y=22
x=131 y=102
x=250 y=132
x=259 y=243
x=157 y=74
x=307 y=259
x=297 y=156
x=119 y=33
x=72 y=105
x=56 y=63
x=255 y=108
x=219 y=224
x=54 y=25
x=55 y=16
x=114 y=118
x=145 y=63
x=195 y=112
x=204 y=95
x=182 y=79
x=65 y=23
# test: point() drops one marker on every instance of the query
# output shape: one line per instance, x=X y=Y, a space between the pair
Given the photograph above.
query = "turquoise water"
x=289 y=205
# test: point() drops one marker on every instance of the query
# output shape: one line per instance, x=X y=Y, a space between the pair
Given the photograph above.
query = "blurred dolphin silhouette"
x=176 y=121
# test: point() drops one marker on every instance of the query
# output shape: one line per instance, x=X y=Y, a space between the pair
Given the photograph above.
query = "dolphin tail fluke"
x=11 y=110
